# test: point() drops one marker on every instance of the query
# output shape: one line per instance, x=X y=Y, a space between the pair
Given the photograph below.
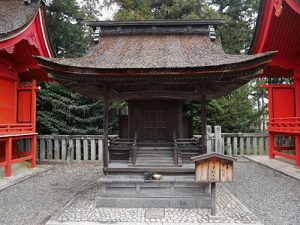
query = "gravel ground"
x=33 y=201
x=273 y=197
x=83 y=209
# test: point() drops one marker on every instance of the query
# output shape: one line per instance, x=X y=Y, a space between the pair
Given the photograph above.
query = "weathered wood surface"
x=214 y=170
x=70 y=148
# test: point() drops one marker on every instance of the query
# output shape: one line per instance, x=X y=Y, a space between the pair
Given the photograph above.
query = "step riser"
x=185 y=203
x=173 y=193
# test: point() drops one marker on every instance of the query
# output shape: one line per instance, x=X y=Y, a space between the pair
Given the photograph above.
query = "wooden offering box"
x=213 y=167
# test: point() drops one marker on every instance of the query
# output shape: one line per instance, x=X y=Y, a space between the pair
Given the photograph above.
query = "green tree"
x=61 y=111
x=240 y=17
x=163 y=9
x=65 y=23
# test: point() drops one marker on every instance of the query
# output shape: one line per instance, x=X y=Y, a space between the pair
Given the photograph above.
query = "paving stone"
x=154 y=213
x=229 y=210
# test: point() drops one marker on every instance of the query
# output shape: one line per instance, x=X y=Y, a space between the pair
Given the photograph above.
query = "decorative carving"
x=31 y=39
x=10 y=49
x=278 y=7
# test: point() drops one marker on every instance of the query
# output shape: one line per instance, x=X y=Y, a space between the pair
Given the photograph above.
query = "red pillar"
x=33 y=139
x=271 y=146
x=297 y=148
x=33 y=151
x=8 y=157
x=297 y=106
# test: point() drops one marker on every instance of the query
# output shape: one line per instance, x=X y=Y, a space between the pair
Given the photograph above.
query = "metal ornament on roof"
x=212 y=33
x=278 y=7
x=97 y=35
x=46 y=2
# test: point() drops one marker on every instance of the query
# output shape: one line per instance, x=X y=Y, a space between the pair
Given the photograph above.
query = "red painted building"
x=23 y=34
x=278 y=29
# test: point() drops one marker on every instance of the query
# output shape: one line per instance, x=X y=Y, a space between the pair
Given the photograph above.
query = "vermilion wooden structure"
x=22 y=35
x=278 y=30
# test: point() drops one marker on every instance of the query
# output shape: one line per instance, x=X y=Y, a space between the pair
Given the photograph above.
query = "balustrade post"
x=175 y=149
x=218 y=139
x=134 y=149
x=8 y=157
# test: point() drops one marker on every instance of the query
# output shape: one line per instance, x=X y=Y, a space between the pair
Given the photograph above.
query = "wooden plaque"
x=214 y=170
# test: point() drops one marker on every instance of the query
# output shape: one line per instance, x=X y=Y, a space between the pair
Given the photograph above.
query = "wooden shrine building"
x=278 y=29
x=155 y=66
x=22 y=35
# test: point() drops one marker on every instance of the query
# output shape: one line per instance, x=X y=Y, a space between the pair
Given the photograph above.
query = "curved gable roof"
x=15 y=16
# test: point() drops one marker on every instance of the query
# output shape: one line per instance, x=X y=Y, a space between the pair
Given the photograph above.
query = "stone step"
x=134 y=192
x=161 y=202
x=158 y=157
x=142 y=169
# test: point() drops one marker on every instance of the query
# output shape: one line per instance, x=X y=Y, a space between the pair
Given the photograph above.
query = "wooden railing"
x=188 y=147
x=77 y=148
x=134 y=149
x=175 y=150
x=70 y=148
x=237 y=144
x=287 y=124
x=16 y=128
x=245 y=143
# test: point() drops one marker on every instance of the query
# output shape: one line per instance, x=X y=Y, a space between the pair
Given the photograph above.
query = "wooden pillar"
x=33 y=151
x=8 y=157
x=271 y=146
x=297 y=106
x=33 y=121
x=180 y=119
x=105 y=130
x=203 y=124
x=213 y=198
x=297 y=149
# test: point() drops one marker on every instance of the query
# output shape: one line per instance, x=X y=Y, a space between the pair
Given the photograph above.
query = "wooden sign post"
x=212 y=168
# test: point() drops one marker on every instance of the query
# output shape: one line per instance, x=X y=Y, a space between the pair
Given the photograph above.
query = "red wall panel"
x=24 y=107
x=7 y=101
x=283 y=102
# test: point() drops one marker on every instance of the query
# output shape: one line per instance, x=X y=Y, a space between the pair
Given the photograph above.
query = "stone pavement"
x=279 y=164
x=82 y=211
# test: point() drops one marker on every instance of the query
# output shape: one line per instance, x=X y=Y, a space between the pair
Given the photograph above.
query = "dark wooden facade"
x=155 y=120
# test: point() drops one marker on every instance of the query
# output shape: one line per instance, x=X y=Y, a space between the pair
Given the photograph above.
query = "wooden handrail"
x=16 y=128
x=134 y=149
x=175 y=149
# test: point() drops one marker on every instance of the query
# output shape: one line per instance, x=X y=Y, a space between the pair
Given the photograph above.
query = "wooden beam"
x=105 y=129
x=203 y=123
x=159 y=94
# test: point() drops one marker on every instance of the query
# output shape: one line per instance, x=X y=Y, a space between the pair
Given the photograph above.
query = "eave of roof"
x=130 y=23
x=76 y=71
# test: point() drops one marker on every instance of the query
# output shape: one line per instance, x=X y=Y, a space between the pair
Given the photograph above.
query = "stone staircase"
x=154 y=155
x=132 y=191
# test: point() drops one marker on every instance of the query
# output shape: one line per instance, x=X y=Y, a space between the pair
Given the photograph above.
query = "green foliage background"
x=62 y=111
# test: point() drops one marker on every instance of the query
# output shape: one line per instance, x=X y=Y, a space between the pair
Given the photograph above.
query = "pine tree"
x=61 y=111
x=65 y=22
